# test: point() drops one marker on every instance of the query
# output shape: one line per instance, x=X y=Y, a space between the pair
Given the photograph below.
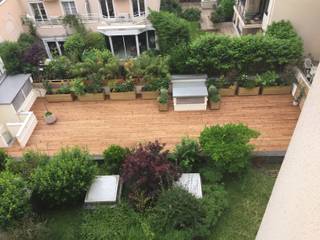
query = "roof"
x=189 y=86
x=124 y=29
x=191 y=182
x=10 y=87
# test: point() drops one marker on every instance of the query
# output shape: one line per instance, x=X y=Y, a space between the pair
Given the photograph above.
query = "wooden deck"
x=96 y=125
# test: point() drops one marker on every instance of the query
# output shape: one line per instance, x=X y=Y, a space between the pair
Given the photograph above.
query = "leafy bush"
x=224 y=11
x=119 y=222
x=65 y=179
x=10 y=53
x=58 y=68
x=171 y=30
x=113 y=157
x=64 y=89
x=178 y=57
x=29 y=162
x=74 y=46
x=282 y=30
x=228 y=146
x=187 y=154
x=25 y=40
x=94 y=40
x=14 y=198
x=172 y=6
x=78 y=87
x=123 y=86
x=176 y=209
x=268 y=79
x=163 y=97
x=3 y=159
x=249 y=82
x=191 y=14
x=213 y=94
x=147 y=170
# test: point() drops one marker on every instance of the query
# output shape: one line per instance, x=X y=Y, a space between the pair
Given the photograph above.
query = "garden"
x=42 y=196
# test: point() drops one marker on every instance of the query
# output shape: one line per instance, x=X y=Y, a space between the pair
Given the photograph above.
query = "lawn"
x=247 y=201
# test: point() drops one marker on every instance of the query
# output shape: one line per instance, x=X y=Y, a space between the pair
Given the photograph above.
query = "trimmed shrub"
x=228 y=146
x=14 y=198
x=171 y=30
x=147 y=170
x=191 y=14
x=114 y=156
x=25 y=40
x=176 y=209
x=3 y=159
x=224 y=11
x=178 y=57
x=172 y=6
x=65 y=179
x=120 y=222
x=94 y=40
x=74 y=46
x=11 y=52
x=282 y=30
x=187 y=154
x=58 y=68
x=29 y=162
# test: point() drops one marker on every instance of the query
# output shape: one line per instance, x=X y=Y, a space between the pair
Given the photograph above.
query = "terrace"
x=96 y=125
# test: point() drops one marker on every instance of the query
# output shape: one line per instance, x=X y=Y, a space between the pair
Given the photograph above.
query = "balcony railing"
x=247 y=17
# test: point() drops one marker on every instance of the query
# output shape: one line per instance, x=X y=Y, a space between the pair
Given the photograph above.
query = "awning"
x=189 y=86
x=123 y=30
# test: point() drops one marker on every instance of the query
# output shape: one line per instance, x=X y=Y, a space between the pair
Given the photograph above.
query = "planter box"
x=248 y=91
x=163 y=107
x=276 y=90
x=91 y=97
x=123 y=95
x=59 y=97
x=230 y=91
x=150 y=94
x=214 y=105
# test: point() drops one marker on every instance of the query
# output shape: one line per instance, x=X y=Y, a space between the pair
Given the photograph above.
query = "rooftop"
x=96 y=125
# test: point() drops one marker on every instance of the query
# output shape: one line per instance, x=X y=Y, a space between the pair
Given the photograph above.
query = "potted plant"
x=49 y=117
x=226 y=87
x=272 y=84
x=87 y=91
x=62 y=94
x=214 y=98
x=248 y=86
x=149 y=91
x=123 y=90
x=163 y=100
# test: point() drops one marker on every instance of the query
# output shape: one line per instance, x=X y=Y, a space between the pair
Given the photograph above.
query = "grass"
x=247 y=202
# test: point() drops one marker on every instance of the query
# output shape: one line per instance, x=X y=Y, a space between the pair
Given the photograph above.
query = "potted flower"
x=87 y=91
x=272 y=84
x=163 y=100
x=49 y=117
x=123 y=90
x=248 y=86
x=62 y=94
x=214 y=98
x=226 y=87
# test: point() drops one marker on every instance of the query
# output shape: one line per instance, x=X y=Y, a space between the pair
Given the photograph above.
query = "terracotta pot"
x=163 y=107
x=226 y=92
x=214 y=105
x=150 y=94
x=59 y=97
x=276 y=90
x=248 y=91
x=91 y=97
x=50 y=119
x=123 y=95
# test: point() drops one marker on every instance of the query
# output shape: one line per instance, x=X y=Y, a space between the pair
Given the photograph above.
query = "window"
x=107 y=8
x=124 y=46
x=54 y=47
x=138 y=7
x=2 y=70
x=151 y=39
x=69 y=7
x=38 y=11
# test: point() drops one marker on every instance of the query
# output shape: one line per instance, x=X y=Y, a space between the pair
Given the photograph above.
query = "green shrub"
x=215 y=201
x=120 y=222
x=29 y=162
x=187 y=154
x=214 y=95
x=14 y=198
x=269 y=79
x=74 y=46
x=249 y=82
x=224 y=11
x=58 y=68
x=282 y=30
x=228 y=146
x=176 y=209
x=65 y=179
x=171 y=30
x=210 y=174
x=163 y=97
x=78 y=87
x=191 y=14
x=3 y=159
x=178 y=57
x=123 y=86
x=11 y=54
x=25 y=40
x=114 y=156
x=172 y=6
x=94 y=40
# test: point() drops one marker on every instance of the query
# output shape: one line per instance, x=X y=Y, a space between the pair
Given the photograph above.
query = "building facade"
x=123 y=22
x=252 y=16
